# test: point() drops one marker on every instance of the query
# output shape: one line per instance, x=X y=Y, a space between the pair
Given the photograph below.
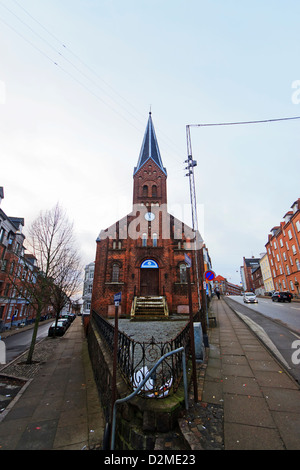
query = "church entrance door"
x=149 y=280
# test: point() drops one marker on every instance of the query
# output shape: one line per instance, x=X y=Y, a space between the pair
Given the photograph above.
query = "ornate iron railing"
x=135 y=359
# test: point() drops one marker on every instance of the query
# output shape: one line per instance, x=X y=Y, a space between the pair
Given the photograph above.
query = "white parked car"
x=250 y=298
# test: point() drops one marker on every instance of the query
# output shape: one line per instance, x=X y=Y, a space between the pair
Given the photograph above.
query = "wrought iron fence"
x=136 y=359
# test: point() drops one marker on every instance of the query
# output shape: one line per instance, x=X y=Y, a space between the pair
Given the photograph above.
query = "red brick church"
x=142 y=256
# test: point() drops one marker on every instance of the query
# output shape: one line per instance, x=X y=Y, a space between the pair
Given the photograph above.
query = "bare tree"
x=51 y=241
x=67 y=281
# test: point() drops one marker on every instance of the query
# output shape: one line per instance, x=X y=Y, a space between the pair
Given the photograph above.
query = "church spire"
x=150 y=148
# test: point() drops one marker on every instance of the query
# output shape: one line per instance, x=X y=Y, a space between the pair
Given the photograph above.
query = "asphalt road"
x=277 y=325
x=18 y=343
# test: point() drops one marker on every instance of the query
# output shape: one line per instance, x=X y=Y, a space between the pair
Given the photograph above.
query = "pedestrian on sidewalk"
x=217 y=292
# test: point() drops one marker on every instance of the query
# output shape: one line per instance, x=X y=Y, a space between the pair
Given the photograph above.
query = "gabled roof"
x=150 y=148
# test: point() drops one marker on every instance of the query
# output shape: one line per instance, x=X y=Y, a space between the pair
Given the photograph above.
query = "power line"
x=244 y=122
x=190 y=167
x=67 y=49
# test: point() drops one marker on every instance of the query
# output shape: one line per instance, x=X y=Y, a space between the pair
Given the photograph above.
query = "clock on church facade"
x=142 y=255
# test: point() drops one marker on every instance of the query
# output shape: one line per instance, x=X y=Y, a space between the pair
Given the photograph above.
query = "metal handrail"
x=129 y=397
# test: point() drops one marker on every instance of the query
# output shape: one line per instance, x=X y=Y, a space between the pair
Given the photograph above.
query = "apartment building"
x=283 y=251
x=266 y=273
x=16 y=267
x=13 y=308
x=88 y=287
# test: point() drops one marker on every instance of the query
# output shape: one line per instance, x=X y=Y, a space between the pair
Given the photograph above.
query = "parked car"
x=69 y=316
x=65 y=321
x=250 y=298
x=282 y=296
x=60 y=329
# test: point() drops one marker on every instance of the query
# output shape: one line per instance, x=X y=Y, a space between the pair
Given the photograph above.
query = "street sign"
x=210 y=275
x=117 y=299
x=187 y=260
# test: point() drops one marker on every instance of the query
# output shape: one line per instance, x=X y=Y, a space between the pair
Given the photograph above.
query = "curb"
x=17 y=397
x=265 y=345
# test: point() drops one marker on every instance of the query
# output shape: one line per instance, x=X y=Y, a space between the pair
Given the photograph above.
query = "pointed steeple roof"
x=150 y=148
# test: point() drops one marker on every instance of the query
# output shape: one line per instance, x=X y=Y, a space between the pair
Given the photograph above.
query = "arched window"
x=115 y=273
x=154 y=190
x=145 y=190
x=144 y=239
x=154 y=238
x=182 y=273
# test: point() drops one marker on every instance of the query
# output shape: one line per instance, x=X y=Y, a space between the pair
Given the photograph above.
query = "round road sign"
x=210 y=275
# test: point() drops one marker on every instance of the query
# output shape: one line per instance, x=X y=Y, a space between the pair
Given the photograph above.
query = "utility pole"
x=192 y=339
x=190 y=167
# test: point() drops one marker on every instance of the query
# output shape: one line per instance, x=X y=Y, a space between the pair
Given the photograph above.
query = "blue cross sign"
x=210 y=275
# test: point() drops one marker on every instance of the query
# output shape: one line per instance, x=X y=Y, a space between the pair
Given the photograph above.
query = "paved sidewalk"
x=59 y=408
x=260 y=401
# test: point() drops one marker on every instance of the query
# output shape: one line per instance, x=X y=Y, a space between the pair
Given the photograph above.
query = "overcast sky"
x=78 y=77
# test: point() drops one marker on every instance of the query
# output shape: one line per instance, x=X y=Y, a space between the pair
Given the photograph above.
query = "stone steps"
x=149 y=308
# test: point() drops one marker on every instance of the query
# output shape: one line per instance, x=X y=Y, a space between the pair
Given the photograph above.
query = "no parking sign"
x=210 y=275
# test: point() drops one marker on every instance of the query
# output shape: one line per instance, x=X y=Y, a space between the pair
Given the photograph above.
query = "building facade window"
x=154 y=238
x=115 y=273
x=182 y=273
x=144 y=239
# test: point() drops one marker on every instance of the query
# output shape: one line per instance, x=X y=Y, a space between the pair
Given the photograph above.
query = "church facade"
x=143 y=255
